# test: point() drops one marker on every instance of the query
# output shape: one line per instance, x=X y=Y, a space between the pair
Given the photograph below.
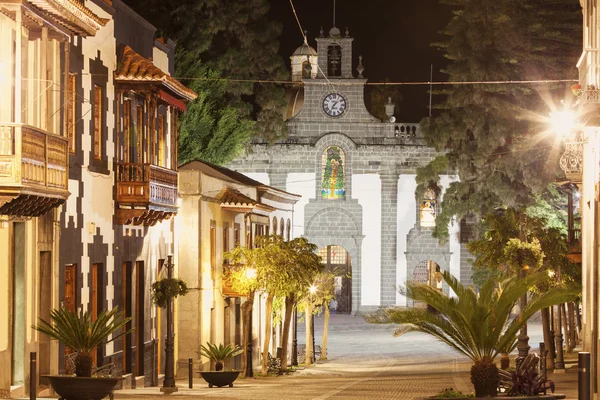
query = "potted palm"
x=218 y=355
x=475 y=324
x=83 y=335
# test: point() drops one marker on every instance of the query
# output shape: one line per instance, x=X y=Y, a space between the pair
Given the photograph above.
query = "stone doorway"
x=338 y=260
x=427 y=272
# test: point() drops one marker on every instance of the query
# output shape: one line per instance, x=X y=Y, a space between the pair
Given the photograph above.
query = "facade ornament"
x=571 y=162
x=360 y=67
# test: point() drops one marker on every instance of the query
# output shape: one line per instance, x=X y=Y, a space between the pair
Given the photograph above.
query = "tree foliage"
x=224 y=47
x=492 y=133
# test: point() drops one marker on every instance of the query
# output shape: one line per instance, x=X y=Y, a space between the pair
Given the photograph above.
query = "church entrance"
x=337 y=260
x=427 y=272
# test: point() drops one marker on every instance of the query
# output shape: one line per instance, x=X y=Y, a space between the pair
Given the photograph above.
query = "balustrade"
x=146 y=184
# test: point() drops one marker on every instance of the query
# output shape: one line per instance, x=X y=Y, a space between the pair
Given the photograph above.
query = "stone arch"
x=421 y=246
x=320 y=231
x=348 y=146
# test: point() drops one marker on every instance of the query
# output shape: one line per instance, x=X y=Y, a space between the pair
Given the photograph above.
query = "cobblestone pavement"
x=365 y=362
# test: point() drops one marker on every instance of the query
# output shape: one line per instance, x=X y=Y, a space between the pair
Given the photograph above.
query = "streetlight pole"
x=249 y=370
x=169 y=381
x=523 y=341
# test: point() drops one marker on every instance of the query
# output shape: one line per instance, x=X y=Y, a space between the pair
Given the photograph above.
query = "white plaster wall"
x=304 y=185
x=367 y=190
x=262 y=177
x=160 y=59
x=406 y=219
x=453 y=231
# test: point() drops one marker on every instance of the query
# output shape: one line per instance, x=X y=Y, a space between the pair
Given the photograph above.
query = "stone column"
x=389 y=237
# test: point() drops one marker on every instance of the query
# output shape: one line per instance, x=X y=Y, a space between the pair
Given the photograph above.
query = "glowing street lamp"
x=564 y=123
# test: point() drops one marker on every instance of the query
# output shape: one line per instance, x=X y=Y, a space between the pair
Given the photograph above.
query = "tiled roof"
x=233 y=198
x=134 y=67
x=72 y=14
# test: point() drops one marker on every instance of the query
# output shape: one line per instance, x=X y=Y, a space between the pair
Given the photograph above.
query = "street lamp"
x=169 y=381
x=295 y=334
x=250 y=275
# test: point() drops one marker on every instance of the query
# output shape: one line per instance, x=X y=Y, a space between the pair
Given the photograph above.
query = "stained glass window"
x=428 y=208
x=334 y=179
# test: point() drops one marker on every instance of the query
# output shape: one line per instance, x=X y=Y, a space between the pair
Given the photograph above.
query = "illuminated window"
x=139 y=134
x=127 y=131
x=428 y=208
x=333 y=255
x=333 y=184
x=161 y=140
x=97 y=122
x=334 y=60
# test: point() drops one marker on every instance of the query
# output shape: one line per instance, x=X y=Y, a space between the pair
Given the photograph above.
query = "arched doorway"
x=337 y=260
x=427 y=272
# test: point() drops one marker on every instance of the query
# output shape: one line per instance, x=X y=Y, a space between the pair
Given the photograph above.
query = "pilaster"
x=389 y=237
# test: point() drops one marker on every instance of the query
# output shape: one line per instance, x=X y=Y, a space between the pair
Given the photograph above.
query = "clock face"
x=334 y=105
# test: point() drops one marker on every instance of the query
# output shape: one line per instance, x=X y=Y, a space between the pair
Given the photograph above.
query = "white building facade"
x=356 y=175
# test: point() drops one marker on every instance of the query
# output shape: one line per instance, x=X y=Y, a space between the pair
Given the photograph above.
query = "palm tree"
x=81 y=334
x=477 y=324
x=219 y=354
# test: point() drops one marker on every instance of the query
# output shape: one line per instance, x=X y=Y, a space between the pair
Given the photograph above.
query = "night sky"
x=393 y=36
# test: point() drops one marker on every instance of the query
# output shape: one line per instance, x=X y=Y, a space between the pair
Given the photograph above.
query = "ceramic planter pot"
x=80 y=388
x=219 y=378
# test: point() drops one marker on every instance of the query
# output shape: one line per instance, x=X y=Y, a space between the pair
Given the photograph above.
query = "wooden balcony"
x=146 y=194
x=33 y=170
x=226 y=289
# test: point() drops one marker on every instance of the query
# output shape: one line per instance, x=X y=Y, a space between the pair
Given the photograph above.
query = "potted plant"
x=219 y=354
x=166 y=288
x=83 y=335
x=475 y=324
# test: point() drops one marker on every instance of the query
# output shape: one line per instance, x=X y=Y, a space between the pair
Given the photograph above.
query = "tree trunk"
x=565 y=323
x=548 y=339
x=268 y=318
x=285 y=336
x=572 y=329
x=309 y=347
x=578 y=315
x=324 y=338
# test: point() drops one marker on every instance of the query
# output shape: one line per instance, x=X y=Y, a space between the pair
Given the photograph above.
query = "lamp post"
x=249 y=373
x=169 y=381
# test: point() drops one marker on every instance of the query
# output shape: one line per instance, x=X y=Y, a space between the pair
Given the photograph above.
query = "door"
x=126 y=307
x=70 y=300
x=139 y=317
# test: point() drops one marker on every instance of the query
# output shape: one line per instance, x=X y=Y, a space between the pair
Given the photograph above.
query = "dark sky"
x=393 y=36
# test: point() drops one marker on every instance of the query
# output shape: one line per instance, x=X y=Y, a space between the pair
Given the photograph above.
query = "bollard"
x=584 y=375
x=32 y=375
x=191 y=373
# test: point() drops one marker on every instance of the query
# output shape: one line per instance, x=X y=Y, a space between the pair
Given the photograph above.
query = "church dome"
x=305 y=50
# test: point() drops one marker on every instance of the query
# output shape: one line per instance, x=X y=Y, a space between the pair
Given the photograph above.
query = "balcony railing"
x=589 y=75
x=33 y=169
x=148 y=184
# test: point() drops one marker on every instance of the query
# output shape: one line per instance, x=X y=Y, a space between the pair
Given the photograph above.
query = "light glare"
x=563 y=122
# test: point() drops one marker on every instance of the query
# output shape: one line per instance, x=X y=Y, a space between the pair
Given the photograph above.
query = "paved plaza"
x=365 y=362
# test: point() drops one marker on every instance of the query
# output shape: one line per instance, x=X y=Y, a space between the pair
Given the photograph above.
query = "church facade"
x=356 y=175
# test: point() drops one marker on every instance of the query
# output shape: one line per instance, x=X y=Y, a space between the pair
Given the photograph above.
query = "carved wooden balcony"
x=226 y=289
x=575 y=246
x=33 y=170
x=146 y=193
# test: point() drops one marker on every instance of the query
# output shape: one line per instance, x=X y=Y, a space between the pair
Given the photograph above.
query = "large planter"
x=219 y=378
x=79 y=388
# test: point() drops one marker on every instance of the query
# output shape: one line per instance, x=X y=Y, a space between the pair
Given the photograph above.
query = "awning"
x=172 y=100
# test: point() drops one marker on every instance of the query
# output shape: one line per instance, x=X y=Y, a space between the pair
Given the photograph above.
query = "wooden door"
x=126 y=298
x=70 y=301
x=139 y=317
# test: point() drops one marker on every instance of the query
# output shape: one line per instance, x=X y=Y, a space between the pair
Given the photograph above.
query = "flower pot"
x=79 y=388
x=219 y=378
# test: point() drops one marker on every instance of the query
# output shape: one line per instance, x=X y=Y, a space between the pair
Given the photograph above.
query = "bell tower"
x=335 y=54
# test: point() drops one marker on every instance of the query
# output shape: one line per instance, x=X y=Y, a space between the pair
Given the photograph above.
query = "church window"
x=333 y=184
x=428 y=208
x=306 y=69
x=334 y=60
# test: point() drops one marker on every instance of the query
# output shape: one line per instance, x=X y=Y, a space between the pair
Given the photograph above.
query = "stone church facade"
x=356 y=175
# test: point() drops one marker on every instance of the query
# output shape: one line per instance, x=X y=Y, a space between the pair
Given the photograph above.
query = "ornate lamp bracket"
x=571 y=162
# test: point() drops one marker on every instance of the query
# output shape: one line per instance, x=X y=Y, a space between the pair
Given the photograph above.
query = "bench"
x=274 y=364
